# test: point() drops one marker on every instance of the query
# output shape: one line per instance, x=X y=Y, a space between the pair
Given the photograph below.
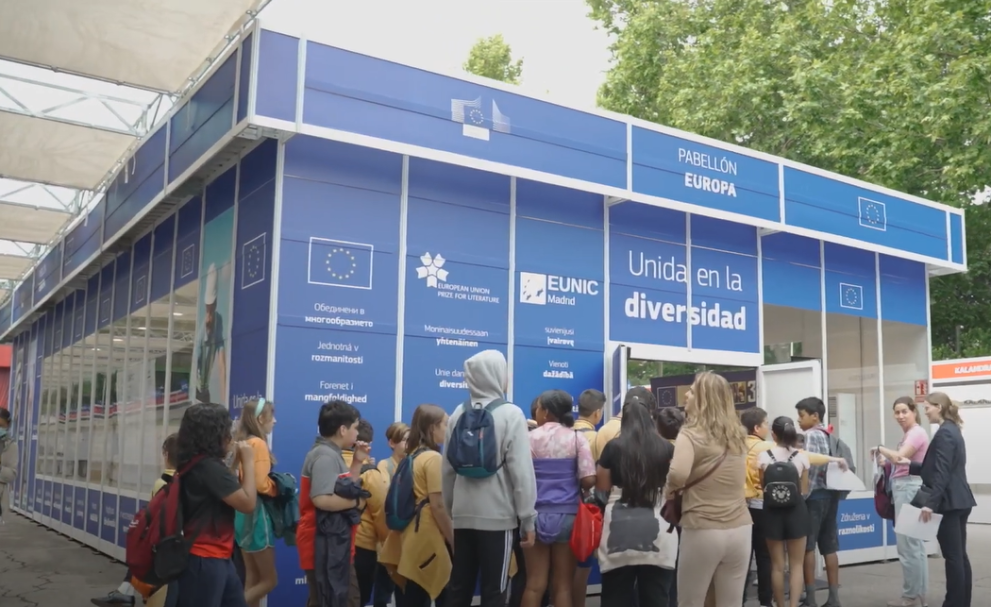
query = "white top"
x=782 y=454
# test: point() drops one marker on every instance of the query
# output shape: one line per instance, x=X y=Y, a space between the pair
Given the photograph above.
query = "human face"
x=904 y=416
x=690 y=402
x=267 y=422
x=440 y=431
x=762 y=430
x=806 y=421
x=349 y=434
x=399 y=448
x=933 y=413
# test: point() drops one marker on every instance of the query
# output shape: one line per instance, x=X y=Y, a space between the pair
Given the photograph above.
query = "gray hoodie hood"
x=486 y=374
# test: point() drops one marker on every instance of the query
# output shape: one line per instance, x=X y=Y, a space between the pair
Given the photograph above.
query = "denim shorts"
x=822 y=525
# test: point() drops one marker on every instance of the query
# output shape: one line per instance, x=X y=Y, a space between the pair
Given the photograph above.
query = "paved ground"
x=40 y=568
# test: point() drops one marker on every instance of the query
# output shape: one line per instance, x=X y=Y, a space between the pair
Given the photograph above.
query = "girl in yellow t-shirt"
x=396 y=434
x=419 y=557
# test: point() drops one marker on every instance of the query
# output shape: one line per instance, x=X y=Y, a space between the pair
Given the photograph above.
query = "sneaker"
x=114 y=599
x=905 y=602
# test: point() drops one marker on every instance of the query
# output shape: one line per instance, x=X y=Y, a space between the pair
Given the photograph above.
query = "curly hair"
x=205 y=430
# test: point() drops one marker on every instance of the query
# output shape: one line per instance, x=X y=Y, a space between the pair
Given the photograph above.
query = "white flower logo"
x=432 y=269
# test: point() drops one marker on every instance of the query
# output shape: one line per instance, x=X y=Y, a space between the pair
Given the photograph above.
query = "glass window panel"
x=84 y=451
x=854 y=407
x=116 y=379
x=130 y=416
x=99 y=466
x=906 y=360
x=181 y=341
x=153 y=426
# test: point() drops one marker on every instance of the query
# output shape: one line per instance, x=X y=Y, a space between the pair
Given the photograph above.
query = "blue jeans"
x=207 y=582
x=911 y=551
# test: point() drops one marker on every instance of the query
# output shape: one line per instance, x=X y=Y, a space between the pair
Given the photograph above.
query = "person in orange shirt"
x=372 y=531
x=253 y=531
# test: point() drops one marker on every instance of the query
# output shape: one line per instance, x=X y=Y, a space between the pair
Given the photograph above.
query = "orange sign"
x=962 y=369
x=921 y=389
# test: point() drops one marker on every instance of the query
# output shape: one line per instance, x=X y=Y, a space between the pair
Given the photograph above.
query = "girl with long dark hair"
x=785 y=526
x=563 y=466
x=638 y=551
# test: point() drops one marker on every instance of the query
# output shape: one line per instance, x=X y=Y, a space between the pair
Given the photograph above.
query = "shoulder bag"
x=671 y=511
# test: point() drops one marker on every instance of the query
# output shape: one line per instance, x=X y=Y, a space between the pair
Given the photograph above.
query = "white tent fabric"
x=161 y=47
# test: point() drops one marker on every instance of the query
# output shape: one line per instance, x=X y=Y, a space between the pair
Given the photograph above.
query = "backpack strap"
x=495 y=404
x=770 y=454
x=793 y=455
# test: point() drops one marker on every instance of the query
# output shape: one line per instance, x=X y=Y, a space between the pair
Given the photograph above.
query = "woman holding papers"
x=911 y=551
x=945 y=491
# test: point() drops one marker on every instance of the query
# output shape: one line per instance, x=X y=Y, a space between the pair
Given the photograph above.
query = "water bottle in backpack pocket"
x=401 y=506
x=473 y=449
x=782 y=483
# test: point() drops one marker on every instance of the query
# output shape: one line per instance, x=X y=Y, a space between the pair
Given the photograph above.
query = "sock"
x=834 y=596
x=126 y=589
x=810 y=595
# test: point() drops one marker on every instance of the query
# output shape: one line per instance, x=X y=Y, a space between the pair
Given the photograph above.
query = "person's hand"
x=839 y=461
x=529 y=539
x=925 y=515
x=902 y=461
x=361 y=449
x=245 y=452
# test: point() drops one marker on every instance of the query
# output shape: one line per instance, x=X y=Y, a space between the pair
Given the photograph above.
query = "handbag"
x=884 y=504
x=671 y=511
x=587 y=530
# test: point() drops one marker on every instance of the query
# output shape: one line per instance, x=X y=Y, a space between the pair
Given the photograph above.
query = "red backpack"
x=884 y=503
x=157 y=548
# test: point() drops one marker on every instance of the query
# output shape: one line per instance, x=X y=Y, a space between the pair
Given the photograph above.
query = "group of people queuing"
x=688 y=496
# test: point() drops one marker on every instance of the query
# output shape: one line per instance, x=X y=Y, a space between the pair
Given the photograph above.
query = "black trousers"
x=416 y=596
x=365 y=563
x=638 y=584
x=385 y=588
x=759 y=550
x=482 y=557
x=952 y=537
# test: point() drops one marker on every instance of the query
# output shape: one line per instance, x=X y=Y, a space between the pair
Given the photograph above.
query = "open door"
x=618 y=378
x=779 y=387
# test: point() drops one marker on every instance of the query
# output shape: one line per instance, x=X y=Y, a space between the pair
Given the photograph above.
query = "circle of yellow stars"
x=330 y=264
x=253 y=260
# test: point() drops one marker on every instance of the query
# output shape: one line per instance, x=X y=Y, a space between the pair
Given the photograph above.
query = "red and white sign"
x=921 y=390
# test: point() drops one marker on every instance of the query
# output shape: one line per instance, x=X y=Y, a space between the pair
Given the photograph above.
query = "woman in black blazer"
x=945 y=491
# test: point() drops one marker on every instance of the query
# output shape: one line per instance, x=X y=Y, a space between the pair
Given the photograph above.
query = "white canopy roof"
x=80 y=83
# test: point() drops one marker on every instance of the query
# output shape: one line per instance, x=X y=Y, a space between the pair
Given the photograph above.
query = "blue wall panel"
x=957 y=238
x=850 y=281
x=163 y=243
x=792 y=275
x=106 y=294
x=139 y=273
x=142 y=178
x=84 y=240
x=205 y=118
x=244 y=77
x=92 y=304
x=5 y=317
x=187 y=244
x=360 y=94
x=686 y=171
x=122 y=286
x=48 y=272
x=835 y=207
x=276 y=87
x=903 y=290
x=23 y=297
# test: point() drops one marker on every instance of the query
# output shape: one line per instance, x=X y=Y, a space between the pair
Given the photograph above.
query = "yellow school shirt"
x=756 y=446
x=372 y=530
x=160 y=482
x=388 y=467
x=606 y=433
x=587 y=429
x=419 y=552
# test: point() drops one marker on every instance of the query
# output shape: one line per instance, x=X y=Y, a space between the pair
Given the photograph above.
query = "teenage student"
x=396 y=434
x=564 y=468
x=372 y=530
x=124 y=595
x=337 y=423
x=822 y=504
x=708 y=468
x=486 y=511
x=911 y=551
x=785 y=516
x=947 y=492
x=420 y=556
x=210 y=496
x=591 y=406
x=635 y=555
x=254 y=533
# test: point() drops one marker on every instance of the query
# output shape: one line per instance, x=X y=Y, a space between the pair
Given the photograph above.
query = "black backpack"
x=781 y=483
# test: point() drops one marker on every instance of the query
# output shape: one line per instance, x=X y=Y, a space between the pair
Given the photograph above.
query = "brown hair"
x=250 y=425
x=424 y=419
x=170 y=449
x=396 y=432
x=715 y=415
x=947 y=408
x=909 y=402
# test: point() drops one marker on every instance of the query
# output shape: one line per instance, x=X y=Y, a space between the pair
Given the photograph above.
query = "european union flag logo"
x=873 y=214
x=339 y=263
x=851 y=296
x=253 y=255
x=140 y=288
x=667 y=397
x=187 y=265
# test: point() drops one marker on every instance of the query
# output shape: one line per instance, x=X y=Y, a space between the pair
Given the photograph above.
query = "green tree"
x=894 y=92
x=492 y=58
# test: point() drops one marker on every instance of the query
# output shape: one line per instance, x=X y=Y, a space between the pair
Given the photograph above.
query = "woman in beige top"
x=716 y=525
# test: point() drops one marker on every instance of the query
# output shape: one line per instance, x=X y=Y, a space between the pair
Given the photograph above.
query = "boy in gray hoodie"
x=486 y=512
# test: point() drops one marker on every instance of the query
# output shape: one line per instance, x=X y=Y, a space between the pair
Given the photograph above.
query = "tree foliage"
x=492 y=58
x=895 y=92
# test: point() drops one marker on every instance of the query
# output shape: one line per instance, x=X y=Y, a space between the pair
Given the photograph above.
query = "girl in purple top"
x=911 y=551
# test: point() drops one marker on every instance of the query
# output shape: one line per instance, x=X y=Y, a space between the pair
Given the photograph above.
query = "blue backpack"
x=473 y=449
x=400 y=501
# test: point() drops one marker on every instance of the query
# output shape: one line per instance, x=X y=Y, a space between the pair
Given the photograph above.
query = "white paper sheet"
x=842 y=480
x=907 y=523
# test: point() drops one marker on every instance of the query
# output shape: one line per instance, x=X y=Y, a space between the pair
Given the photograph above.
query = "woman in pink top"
x=564 y=468
x=911 y=551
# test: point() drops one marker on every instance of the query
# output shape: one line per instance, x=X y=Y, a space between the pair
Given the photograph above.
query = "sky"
x=564 y=56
